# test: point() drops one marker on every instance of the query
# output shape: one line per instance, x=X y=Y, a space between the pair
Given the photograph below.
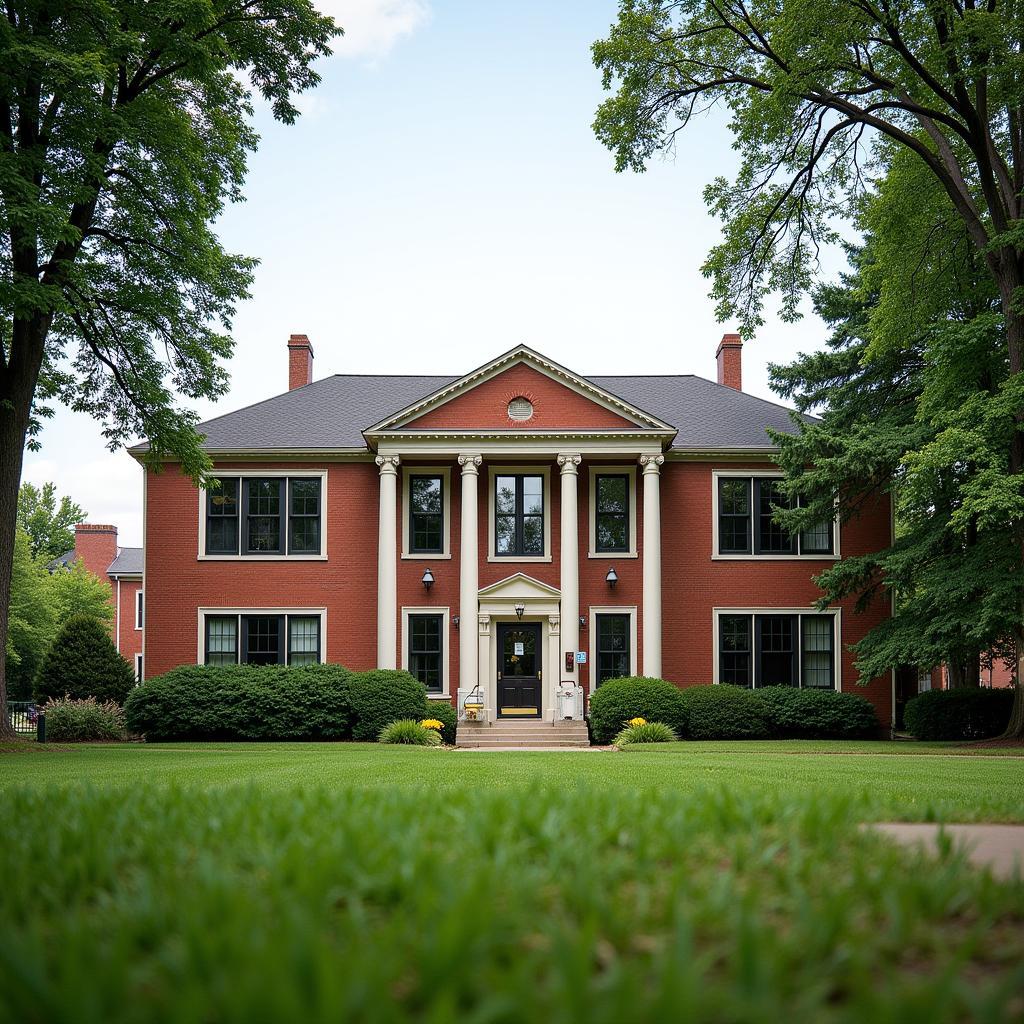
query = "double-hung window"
x=426 y=650
x=426 y=514
x=747 y=526
x=611 y=522
x=262 y=639
x=264 y=516
x=613 y=642
x=519 y=514
x=792 y=649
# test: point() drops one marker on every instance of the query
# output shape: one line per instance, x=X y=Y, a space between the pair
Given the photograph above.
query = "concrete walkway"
x=998 y=847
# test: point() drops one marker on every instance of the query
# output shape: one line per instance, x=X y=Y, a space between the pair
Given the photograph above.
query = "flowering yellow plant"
x=432 y=723
x=637 y=721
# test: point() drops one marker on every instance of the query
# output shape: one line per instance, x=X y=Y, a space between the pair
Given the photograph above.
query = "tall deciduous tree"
x=50 y=526
x=823 y=96
x=124 y=130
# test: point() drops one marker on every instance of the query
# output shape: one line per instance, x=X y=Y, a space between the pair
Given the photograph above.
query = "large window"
x=613 y=653
x=746 y=523
x=519 y=515
x=611 y=526
x=268 y=516
x=777 y=650
x=426 y=514
x=262 y=639
x=426 y=650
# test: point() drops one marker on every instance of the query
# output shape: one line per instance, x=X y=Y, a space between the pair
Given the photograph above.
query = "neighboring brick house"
x=96 y=545
x=521 y=529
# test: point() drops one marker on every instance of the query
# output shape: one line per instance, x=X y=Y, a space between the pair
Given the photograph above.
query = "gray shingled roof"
x=127 y=563
x=62 y=562
x=333 y=412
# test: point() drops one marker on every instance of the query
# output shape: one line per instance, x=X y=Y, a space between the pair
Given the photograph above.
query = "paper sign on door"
x=519 y=649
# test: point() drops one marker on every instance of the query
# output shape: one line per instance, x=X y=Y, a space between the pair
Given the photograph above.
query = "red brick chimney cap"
x=95 y=528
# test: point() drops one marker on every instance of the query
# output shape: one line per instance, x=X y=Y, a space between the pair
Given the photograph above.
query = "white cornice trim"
x=520 y=354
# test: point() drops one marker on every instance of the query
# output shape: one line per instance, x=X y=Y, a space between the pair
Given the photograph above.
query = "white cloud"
x=372 y=27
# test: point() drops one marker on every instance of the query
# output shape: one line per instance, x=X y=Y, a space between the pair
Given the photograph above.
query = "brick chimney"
x=300 y=361
x=730 y=361
x=96 y=546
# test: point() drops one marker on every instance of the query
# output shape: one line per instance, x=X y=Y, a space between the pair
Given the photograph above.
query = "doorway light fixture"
x=520 y=608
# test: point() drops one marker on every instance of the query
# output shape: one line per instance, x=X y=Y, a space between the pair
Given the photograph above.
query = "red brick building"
x=521 y=532
x=96 y=545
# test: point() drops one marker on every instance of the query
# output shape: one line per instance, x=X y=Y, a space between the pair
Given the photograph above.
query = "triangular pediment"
x=519 y=587
x=560 y=400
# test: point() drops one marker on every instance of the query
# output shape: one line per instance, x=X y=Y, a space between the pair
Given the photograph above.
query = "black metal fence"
x=23 y=716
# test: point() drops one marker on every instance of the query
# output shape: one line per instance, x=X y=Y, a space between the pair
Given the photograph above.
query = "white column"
x=652 y=564
x=469 y=575
x=387 y=563
x=551 y=676
x=570 y=564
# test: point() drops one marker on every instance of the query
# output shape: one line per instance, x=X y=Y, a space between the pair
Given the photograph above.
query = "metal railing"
x=23 y=716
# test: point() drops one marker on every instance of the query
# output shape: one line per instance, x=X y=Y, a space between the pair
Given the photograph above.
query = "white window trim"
x=204 y=611
x=493 y=472
x=138 y=667
x=837 y=638
x=596 y=610
x=138 y=608
x=746 y=474
x=407 y=610
x=619 y=470
x=261 y=474
x=445 y=473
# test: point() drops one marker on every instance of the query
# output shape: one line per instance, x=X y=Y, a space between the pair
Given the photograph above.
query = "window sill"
x=261 y=558
x=513 y=559
x=612 y=554
x=775 y=558
x=439 y=696
x=415 y=558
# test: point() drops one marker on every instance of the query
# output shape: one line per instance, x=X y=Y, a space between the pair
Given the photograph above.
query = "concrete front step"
x=523 y=734
x=518 y=744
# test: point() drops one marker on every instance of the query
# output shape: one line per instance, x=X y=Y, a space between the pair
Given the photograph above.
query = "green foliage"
x=75 y=591
x=382 y=696
x=444 y=712
x=818 y=714
x=409 y=731
x=725 y=713
x=31 y=625
x=83 y=662
x=649 y=732
x=243 y=702
x=49 y=525
x=714 y=903
x=615 y=702
x=966 y=713
x=83 y=721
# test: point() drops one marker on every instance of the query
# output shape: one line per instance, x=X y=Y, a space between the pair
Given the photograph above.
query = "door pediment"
x=520 y=587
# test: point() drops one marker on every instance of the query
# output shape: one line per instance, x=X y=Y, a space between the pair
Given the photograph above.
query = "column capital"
x=652 y=463
x=387 y=464
x=569 y=461
x=553 y=623
x=484 y=624
x=470 y=463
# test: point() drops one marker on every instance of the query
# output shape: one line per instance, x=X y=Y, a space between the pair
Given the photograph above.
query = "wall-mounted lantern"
x=520 y=608
x=428 y=579
x=612 y=578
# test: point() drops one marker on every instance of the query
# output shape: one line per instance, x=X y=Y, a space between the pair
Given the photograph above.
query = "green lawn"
x=355 y=883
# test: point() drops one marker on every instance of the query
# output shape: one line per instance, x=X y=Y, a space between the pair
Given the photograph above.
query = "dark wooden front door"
x=519 y=661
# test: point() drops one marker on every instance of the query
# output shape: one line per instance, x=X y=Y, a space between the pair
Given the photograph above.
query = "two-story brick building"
x=519 y=531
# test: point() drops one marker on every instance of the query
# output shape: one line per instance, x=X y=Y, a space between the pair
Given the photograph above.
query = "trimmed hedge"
x=444 y=712
x=83 y=662
x=615 y=702
x=818 y=714
x=725 y=713
x=83 y=721
x=243 y=702
x=966 y=713
x=383 y=696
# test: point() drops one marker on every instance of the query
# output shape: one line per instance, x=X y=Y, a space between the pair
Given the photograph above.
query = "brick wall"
x=129 y=638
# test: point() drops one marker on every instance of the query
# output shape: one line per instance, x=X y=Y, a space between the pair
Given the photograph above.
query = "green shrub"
x=446 y=714
x=818 y=714
x=243 y=702
x=725 y=713
x=409 y=730
x=383 y=696
x=615 y=702
x=83 y=662
x=649 y=732
x=81 y=721
x=973 y=713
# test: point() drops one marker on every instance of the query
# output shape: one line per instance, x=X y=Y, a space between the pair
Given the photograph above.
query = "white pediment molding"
x=519 y=587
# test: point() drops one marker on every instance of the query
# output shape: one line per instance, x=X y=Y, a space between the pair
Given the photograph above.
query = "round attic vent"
x=520 y=409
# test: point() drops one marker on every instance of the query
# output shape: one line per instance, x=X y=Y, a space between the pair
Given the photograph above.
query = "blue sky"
x=443 y=198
